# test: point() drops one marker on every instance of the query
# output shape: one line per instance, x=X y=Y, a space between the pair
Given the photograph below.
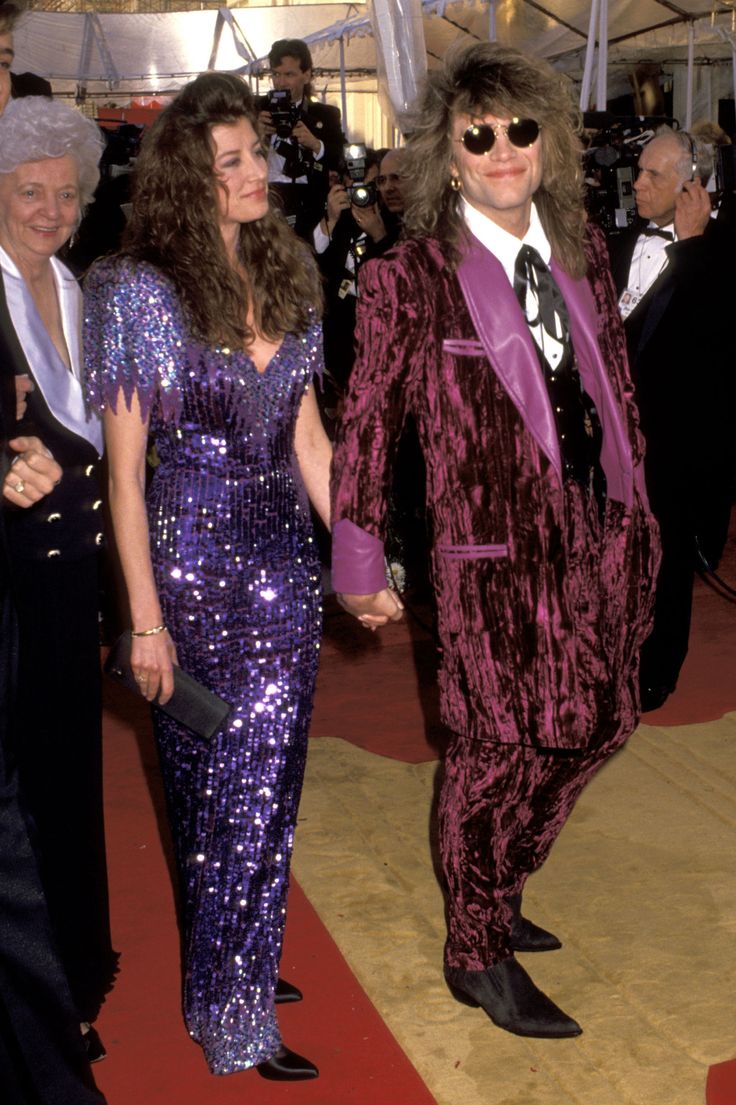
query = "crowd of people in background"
x=257 y=251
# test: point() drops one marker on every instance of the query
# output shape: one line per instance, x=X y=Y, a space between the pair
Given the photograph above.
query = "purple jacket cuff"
x=357 y=560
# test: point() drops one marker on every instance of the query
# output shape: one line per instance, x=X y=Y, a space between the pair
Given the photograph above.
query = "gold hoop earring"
x=455 y=183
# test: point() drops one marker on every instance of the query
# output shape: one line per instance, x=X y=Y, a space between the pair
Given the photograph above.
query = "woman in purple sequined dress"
x=203 y=331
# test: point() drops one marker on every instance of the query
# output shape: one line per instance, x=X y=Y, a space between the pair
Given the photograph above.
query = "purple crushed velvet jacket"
x=526 y=658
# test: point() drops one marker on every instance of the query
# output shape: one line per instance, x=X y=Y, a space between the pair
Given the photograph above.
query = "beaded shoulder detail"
x=135 y=337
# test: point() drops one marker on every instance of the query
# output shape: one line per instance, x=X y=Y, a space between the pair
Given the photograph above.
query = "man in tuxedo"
x=676 y=289
x=301 y=154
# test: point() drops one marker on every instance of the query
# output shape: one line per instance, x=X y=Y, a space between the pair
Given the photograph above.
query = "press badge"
x=627 y=302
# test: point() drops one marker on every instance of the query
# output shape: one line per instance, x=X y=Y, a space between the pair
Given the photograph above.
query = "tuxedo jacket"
x=42 y=1059
x=681 y=341
x=522 y=662
x=67 y=523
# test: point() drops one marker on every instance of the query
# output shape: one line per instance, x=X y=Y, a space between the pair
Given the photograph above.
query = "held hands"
x=151 y=659
x=32 y=474
x=692 y=210
x=374 y=610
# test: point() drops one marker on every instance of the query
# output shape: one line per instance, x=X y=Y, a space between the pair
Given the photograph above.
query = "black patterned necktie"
x=578 y=426
x=531 y=273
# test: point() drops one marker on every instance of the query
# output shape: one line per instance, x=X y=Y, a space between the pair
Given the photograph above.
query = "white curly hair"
x=34 y=128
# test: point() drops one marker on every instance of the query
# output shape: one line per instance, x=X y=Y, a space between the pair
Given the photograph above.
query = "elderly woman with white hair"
x=49 y=156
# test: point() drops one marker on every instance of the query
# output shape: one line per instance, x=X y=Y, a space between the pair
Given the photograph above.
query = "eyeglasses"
x=480 y=138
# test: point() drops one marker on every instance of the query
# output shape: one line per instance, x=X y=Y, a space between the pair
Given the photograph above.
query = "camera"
x=360 y=193
x=284 y=114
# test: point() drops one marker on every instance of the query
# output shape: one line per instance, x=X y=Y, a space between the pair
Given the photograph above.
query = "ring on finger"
x=140 y=678
x=19 y=487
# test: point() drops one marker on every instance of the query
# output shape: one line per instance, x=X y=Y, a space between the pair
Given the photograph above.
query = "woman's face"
x=39 y=207
x=240 y=168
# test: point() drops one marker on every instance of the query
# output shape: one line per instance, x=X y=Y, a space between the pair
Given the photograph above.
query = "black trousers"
x=58 y=745
x=42 y=1058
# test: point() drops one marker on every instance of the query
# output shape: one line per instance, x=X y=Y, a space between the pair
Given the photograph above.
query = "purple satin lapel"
x=616 y=448
x=509 y=346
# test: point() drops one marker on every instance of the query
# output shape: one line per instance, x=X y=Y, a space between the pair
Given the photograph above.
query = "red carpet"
x=151 y=1060
x=381 y=689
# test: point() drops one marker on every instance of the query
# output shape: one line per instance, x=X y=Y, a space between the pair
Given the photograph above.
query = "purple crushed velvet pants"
x=501 y=809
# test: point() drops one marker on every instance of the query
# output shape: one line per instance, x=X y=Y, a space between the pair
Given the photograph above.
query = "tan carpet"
x=641 y=887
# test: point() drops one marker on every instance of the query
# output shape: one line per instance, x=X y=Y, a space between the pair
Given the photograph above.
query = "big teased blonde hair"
x=482 y=79
x=174 y=225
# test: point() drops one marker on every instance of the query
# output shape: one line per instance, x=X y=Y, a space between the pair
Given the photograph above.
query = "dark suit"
x=54 y=549
x=42 y=1060
x=682 y=350
x=306 y=202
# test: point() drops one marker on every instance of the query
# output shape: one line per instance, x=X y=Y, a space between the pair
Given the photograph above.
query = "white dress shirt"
x=648 y=260
x=505 y=247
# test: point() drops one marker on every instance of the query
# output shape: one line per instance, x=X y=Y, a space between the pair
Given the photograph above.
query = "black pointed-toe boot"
x=526 y=936
x=512 y=1001
x=286 y=993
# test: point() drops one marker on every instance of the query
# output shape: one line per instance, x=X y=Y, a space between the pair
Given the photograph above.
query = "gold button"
x=53 y=552
x=89 y=469
x=55 y=517
x=97 y=504
x=98 y=539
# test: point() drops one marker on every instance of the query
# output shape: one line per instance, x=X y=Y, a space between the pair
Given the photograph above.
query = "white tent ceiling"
x=153 y=53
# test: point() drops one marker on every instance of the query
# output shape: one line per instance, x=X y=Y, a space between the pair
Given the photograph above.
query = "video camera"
x=359 y=193
x=611 y=163
x=284 y=114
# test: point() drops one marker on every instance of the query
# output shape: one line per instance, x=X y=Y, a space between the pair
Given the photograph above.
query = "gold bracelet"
x=148 y=632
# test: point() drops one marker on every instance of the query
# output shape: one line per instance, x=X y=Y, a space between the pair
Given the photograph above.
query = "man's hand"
x=692 y=210
x=23 y=385
x=304 y=137
x=264 y=118
x=33 y=473
x=370 y=221
x=337 y=202
x=374 y=610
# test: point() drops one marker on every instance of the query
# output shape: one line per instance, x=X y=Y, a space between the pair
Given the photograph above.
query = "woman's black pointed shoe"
x=286 y=993
x=287 y=1066
x=93 y=1045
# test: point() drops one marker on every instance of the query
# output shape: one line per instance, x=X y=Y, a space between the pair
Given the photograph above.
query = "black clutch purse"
x=191 y=704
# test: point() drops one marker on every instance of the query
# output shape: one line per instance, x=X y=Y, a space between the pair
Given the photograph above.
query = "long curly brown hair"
x=482 y=79
x=174 y=225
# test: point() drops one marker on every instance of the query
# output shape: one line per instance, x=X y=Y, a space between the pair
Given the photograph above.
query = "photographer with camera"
x=305 y=135
x=354 y=229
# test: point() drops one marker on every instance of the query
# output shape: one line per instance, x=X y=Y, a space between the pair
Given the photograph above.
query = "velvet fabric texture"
x=541 y=621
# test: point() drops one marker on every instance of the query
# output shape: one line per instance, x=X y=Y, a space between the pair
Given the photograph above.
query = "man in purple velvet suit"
x=495 y=325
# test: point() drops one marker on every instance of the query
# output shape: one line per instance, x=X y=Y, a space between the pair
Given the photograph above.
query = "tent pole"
x=602 y=94
x=343 y=88
x=589 y=58
x=690 y=68
x=492 y=21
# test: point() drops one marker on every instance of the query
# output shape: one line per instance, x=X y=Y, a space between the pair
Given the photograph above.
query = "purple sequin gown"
x=238 y=578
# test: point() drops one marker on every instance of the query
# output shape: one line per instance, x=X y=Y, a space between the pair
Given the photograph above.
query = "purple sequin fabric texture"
x=239 y=582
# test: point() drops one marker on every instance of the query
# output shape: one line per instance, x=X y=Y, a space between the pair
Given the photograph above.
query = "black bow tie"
x=657 y=232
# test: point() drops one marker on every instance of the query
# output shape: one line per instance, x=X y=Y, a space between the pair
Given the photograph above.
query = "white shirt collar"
x=503 y=245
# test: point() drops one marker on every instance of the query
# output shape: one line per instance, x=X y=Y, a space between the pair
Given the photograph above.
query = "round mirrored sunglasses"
x=480 y=138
